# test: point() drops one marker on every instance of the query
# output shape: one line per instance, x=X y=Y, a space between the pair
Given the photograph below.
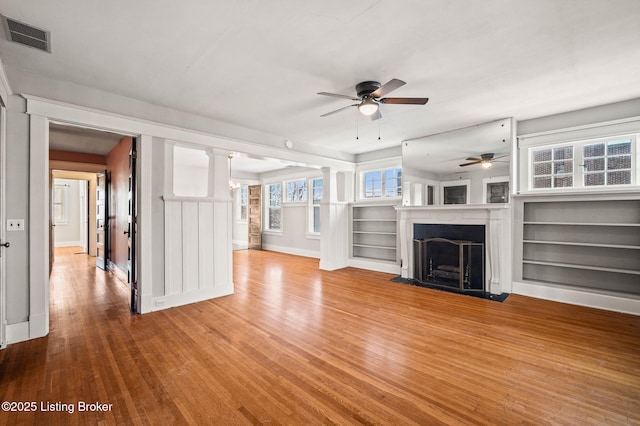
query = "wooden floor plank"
x=296 y=345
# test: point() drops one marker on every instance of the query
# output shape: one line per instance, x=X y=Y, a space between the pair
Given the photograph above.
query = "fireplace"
x=488 y=224
x=450 y=256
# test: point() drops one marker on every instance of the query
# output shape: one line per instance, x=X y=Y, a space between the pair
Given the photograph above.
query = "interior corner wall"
x=118 y=167
x=17 y=207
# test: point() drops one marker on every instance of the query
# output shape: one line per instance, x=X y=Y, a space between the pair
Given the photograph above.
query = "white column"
x=218 y=189
x=334 y=223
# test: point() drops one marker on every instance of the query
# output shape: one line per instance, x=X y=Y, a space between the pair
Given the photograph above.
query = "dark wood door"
x=132 y=229
x=255 y=217
x=102 y=221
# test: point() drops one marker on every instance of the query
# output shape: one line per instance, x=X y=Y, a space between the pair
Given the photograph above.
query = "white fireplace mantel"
x=497 y=221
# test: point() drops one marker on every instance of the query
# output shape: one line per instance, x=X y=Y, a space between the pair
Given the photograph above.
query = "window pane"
x=617 y=148
x=373 y=184
x=302 y=191
x=595 y=150
x=594 y=165
x=622 y=162
x=542 y=155
x=562 y=167
x=291 y=192
x=455 y=194
x=274 y=218
x=317 y=191
x=542 y=182
x=542 y=169
x=594 y=179
x=619 y=178
x=563 y=153
x=563 y=182
x=316 y=218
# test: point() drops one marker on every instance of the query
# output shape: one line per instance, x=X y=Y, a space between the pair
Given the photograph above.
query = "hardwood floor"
x=295 y=345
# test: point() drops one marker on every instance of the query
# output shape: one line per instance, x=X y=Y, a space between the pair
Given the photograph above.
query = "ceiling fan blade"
x=338 y=110
x=469 y=164
x=335 y=95
x=388 y=87
x=473 y=159
x=501 y=156
x=376 y=115
x=407 y=101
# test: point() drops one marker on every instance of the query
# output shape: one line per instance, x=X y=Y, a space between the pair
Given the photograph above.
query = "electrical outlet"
x=15 y=225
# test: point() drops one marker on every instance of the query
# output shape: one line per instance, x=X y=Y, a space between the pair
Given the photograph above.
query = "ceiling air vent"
x=27 y=35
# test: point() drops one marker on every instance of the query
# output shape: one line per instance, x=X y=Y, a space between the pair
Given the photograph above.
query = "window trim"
x=362 y=184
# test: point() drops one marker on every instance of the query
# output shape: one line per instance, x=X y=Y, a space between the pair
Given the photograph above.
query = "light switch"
x=15 y=225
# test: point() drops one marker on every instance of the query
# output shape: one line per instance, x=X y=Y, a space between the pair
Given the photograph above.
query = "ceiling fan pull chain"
x=357 y=136
x=378 y=130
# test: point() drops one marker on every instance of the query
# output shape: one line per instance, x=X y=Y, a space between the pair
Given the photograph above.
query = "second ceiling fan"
x=370 y=96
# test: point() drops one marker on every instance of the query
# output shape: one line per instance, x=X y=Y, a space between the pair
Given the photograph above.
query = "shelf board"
x=567 y=243
x=374 y=220
x=380 y=259
x=586 y=267
x=374 y=232
x=583 y=224
x=374 y=246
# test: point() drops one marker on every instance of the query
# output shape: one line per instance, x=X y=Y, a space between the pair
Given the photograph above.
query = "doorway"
x=106 y=157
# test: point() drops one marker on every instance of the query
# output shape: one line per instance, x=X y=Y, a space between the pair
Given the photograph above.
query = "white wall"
x=69 y=233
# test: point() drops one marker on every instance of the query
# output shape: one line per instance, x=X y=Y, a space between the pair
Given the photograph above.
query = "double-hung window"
x=382 y=183
x=273 y=206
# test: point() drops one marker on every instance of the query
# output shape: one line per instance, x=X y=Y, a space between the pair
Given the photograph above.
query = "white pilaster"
x=334 y=220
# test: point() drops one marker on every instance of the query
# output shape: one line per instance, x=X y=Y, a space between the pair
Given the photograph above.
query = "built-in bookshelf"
x=590 y=244
x=374 y=232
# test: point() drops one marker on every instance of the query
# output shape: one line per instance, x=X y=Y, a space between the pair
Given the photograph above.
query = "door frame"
x=41 y=112
x=3 y=136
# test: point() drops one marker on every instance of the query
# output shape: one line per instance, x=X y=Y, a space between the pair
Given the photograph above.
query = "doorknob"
x=126 y=232
x=7 y=244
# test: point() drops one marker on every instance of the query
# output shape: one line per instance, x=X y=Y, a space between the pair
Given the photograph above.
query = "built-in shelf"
x=583 y=243
x=374 y=232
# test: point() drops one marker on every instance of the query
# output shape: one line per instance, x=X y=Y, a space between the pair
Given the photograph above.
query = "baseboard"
x=240 y=245
x=68 y=244
x=18 y=332
x=582 y=297
x=292 y=250
x=373 y=265
x=165 y=302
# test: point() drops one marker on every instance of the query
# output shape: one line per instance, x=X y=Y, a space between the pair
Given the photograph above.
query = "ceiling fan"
x=370 y=96
x=485 y=159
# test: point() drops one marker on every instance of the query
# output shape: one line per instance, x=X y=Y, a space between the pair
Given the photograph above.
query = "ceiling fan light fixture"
x=368 y=107
x=486 y=164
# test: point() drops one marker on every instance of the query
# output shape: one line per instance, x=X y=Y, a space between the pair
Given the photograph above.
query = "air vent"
x=27 y=35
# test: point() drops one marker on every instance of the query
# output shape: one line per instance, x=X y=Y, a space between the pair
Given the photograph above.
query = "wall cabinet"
x=374 y=232
x=593 y=244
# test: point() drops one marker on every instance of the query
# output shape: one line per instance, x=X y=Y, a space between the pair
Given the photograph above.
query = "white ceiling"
x=260 y=64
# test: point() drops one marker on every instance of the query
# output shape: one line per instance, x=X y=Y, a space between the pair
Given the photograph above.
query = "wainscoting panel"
x=197 y=250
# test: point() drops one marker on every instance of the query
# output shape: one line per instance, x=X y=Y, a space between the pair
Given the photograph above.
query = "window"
x=60 y=197
x=553 y=167
x=607 y=163
x=316 y=198
x=455 y=194
x=584 y=164
x=242 y=202
x=273 y=206
x=383 y=183
x=296 y=191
